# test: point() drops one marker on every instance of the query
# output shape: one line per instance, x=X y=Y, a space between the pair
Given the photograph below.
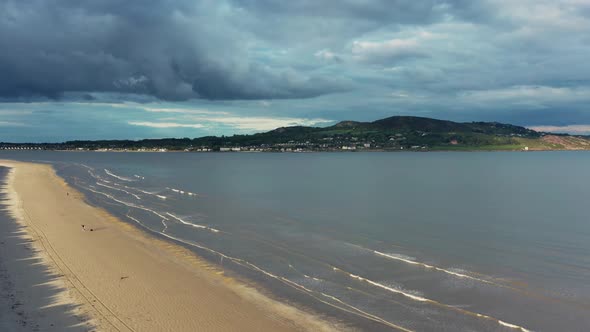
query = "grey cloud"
x=376 y=11
x=178 y=50
x=227 y=52
x=215 y=83
x=173 y=50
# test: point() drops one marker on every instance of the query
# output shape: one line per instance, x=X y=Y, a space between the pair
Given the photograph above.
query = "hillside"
x=390 y=134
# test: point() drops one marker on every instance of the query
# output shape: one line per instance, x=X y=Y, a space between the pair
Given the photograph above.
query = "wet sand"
x=57 y=276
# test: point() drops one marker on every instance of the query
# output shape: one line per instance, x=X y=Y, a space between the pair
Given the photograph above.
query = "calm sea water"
x=381 y=241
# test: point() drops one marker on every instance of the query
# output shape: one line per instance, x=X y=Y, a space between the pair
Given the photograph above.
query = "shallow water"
x=382 y=241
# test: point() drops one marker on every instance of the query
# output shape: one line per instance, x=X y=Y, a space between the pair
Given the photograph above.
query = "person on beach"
x=84 y=228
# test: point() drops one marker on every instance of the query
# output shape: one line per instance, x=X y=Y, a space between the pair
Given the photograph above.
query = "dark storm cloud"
x=176 y=50
x=375 y=11
x=168 y=49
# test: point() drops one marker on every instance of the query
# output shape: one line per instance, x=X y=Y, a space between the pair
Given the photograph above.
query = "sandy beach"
x=57 y=276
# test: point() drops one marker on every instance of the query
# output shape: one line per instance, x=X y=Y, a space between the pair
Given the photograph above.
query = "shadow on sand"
x=30 y=298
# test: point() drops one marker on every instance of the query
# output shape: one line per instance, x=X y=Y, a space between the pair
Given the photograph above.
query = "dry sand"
x=115 y=278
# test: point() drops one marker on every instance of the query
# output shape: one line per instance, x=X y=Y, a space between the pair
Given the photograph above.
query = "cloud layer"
x=173 y=50
x=518 y=61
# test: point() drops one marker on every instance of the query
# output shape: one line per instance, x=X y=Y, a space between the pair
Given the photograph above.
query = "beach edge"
x=288 y=316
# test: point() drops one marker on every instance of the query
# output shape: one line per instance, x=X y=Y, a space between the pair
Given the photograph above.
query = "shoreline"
x=300 y=152
x=120 y=279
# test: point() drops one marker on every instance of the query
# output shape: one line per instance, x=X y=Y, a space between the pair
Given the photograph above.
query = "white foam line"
x=125 y=191
x=366 y=314
x=358 y=311
x=193 y=225
x=182 y=192
x=423 y=299
x=88 y=167
x=512 y=326
x=310 y=293
x=128 y=204
x=100 y=178
x=96 y=177
x=393 y=290
x=185 y=222
x=136 y=220
x=147 y=192
x=355 y=310
x=139 y=177
x=122 y=178
x=456 y=274
x=428 y=266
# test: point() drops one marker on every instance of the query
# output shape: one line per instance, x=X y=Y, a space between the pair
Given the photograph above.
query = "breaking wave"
x=191 y=224
x=118 y=189
x=181 y=192
x=122 y=178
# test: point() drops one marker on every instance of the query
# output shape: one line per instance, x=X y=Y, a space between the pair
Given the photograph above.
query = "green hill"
x=393 y=133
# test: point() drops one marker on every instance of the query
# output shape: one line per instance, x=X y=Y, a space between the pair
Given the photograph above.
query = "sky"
x=120 y=69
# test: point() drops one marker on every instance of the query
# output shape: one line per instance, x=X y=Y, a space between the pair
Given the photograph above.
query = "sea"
x=408 y=241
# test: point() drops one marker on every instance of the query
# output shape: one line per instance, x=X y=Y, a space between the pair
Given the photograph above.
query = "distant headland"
x=396 y=133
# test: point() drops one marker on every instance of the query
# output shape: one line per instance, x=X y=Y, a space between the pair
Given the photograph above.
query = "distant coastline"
x=321 y=151
x=393 y=134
